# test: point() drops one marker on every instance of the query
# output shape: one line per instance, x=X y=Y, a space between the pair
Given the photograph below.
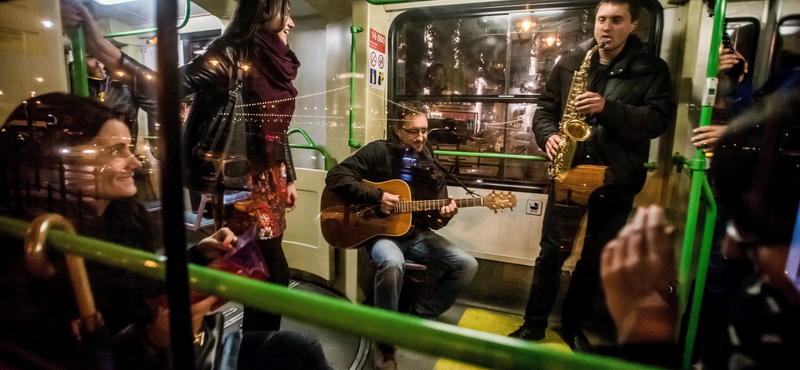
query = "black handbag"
x=217 y=142
x=208 y=343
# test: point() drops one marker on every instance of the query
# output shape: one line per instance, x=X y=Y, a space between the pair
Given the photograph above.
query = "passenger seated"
x=757 y=170
x=82 y=165
x=407 y=155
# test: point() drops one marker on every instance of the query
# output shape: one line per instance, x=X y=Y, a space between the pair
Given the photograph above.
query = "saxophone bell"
x=578 y=130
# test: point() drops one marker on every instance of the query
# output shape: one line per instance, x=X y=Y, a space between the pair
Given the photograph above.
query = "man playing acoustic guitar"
x=407 y=156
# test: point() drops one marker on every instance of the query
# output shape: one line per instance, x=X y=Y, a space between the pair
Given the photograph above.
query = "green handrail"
x=433 y=338
x=700 y=186
x=353 y=31
x=699 y=189
x=80 y=84
x=146 y=30
x=311 y=145
x=492 y=155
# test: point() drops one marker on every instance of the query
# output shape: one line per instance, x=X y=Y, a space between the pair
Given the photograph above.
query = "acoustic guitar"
x=346 y=225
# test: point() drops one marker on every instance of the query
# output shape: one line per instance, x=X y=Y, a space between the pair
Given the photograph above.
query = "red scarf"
x=274 y=68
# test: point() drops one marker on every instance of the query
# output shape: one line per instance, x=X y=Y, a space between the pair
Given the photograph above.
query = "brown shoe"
x=383 y=357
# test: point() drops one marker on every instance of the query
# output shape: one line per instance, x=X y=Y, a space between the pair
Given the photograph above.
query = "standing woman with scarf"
x=255 y=44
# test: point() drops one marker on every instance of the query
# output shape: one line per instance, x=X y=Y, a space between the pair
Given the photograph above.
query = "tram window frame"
x=777 y=45
x=748 y=54
x=534 y=173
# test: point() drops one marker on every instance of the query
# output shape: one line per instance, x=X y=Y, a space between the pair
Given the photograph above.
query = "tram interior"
x=476 y=67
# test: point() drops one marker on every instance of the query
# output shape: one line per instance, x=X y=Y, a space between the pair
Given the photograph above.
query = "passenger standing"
x=629 y=101
x=256 y=40
x=406 y=155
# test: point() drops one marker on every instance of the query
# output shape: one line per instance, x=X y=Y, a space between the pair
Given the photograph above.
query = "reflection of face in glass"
x=94 y=68
x=114 y=162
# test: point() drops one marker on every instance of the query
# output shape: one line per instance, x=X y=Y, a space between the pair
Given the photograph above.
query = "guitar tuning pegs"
x=495 y=211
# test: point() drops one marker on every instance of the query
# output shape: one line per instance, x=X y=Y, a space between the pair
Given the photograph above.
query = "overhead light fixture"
x=550 y=40
x=112 y=2
x=525 y=25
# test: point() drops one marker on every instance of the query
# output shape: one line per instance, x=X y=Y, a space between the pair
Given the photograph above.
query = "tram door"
x=303 y=244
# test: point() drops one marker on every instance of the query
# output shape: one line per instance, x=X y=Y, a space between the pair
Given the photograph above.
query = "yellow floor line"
x=495 y=323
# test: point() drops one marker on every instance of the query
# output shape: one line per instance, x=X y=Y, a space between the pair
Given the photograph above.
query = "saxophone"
x=573 y=127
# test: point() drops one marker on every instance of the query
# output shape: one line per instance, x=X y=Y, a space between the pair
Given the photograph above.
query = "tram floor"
x=345 y=352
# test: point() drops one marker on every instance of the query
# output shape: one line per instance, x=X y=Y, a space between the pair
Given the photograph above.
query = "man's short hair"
x=633 y=6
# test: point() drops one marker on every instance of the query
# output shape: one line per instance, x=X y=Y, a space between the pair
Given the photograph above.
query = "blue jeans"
x=450 y=267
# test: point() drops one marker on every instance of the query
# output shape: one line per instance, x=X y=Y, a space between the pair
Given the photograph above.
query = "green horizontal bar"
x=429 y=337
x=146 y=30
x=492 y=155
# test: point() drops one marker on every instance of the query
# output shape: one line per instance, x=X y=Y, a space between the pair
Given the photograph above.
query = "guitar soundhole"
x=379 y=214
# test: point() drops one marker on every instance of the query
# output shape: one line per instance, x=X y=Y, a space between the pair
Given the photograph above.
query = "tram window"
x=744 y=39
x=787 y=46
x=480 y=71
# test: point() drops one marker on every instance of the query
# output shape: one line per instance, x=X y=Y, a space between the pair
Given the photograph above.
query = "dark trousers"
x=257 y=320
x=608 y=213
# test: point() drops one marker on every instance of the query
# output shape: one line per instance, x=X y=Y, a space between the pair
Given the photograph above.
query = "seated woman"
x=81 y=165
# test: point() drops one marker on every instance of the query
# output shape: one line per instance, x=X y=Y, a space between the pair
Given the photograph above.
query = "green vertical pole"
x=80 y=86
x=699 y=184
x=353 y=31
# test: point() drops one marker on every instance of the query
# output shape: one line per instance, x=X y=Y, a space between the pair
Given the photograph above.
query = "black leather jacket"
x=639 y=107
x=125 y=95
x=208 y=75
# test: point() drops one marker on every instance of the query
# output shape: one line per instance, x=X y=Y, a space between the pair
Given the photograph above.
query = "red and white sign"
x=377 y=59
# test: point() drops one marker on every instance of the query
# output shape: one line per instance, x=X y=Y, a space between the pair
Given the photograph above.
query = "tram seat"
x=415 y=281
x=194 y=219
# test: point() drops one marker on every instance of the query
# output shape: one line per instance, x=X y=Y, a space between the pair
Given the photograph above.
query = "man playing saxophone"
x=628 y=101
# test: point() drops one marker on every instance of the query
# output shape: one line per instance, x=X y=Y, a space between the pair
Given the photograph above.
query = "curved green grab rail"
x=183 y=23
x=329 y=162
x=433 y=338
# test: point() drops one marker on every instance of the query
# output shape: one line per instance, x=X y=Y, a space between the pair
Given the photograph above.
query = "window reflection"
x=479 y=76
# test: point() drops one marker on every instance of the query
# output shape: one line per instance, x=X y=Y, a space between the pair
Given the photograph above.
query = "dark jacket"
x=124 y=94
x=639 y=107
x=209 y=75
x=382 y=160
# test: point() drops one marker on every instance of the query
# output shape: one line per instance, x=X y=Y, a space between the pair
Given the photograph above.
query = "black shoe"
x=576 y=340
x=527 y=333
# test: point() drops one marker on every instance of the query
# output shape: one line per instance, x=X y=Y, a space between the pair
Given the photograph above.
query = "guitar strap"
x=448 y=174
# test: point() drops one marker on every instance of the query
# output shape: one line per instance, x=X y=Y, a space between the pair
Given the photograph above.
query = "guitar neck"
x=435 y=204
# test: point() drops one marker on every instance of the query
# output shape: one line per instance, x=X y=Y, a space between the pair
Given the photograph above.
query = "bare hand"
x=217 y=244
x=590 y=102
x=551 y=146
x=449 y=210
x=388 y=202
x=728 y=60
x=636 y=269
x=74 y=14
x=158 y=332
x=199 y=311
x=707 y=136
x=291 y=197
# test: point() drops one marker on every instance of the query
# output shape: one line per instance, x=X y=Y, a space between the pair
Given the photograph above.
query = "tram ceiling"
x=142 y=12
